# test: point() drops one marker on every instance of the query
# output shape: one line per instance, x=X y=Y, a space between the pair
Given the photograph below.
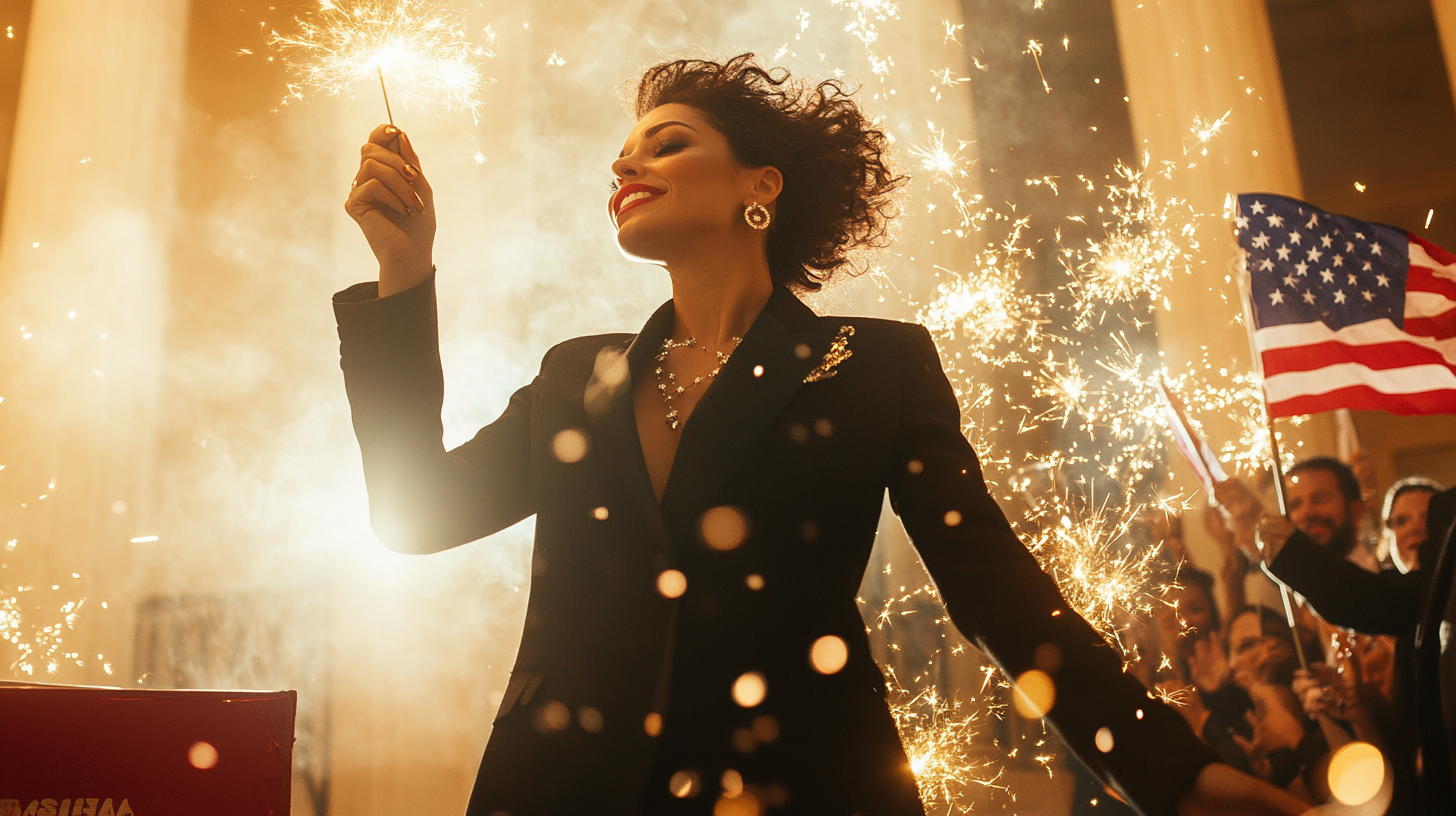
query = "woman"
x=1403 y=516
x=707 y=490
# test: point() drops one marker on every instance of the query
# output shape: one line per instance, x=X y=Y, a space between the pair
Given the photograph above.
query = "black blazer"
x=799 y=443
x=1409 y=606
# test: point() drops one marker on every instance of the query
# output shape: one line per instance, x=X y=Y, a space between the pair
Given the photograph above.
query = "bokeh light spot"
x=570 y=445
x=590 y=719
x=915 y=466
x=1357 y=771
x=758 y=371
x=741 y=804
x=1104 y=739
x=749 y=689
x=601 y=513
x=953 y=518
x=732 y=783
x=765 y=728
x=743 y=741
x=828 y=654
x=672 y=583
x=824 y=428
x=802 y=351
x=202 y=756
x=118 y=507
x=754 y=581
x=724 y=528
x=1035 y=694
x=685 y=784
x=652 y=724
x=554 y=716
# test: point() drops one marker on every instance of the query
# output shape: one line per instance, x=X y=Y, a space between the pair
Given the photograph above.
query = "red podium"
x=74 y=751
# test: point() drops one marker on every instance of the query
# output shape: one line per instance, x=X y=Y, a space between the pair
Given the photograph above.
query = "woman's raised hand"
x=395 y=207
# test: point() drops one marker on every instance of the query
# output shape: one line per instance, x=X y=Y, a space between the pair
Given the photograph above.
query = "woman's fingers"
x=411 y=181
x=393 y=180
x=385 y=136
x=374 y=194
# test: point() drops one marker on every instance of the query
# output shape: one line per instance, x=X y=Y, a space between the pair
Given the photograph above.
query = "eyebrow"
x=650 y=132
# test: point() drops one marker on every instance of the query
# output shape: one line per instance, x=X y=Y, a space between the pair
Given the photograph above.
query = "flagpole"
x=1246 y=295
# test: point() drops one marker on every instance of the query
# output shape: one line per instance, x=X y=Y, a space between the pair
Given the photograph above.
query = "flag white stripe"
x=1360 y=334
x=1411 y=380
x=1419 y=257
x=1426 y=304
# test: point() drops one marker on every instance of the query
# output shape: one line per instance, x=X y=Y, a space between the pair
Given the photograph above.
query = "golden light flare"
x=1102 y=573
x=424 y=52
x=1356 y=773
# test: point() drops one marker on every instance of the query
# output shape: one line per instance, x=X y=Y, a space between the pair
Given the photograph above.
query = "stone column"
x=83 y=268
x=1445 y=13
x=1181 y=59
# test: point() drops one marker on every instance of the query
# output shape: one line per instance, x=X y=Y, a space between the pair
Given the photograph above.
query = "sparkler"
x=1102 y=574
x=343 y=42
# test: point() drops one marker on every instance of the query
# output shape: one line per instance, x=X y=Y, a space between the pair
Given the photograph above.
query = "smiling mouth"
x=632 y=195
x=635 y=199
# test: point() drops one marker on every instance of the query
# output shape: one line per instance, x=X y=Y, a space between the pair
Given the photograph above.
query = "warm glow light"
x=672 y=583
x=724 y=528
x=1357 y=771
x=684 y=784
x=202 y=756
x=570 y=445
x=749 y=689
x=1035 y=694
x=828 y=654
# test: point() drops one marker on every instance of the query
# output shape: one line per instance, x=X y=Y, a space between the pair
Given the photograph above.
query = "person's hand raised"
x=1273 y=533
x=395 y=208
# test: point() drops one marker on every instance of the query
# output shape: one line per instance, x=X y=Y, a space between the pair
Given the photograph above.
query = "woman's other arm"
x=999 y=598
x=1376 y=603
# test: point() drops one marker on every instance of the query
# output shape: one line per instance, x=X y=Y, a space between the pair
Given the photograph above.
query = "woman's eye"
x=668 y=147
x=613 y=187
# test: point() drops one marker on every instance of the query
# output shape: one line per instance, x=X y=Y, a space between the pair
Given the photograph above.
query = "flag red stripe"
x=1365 y=398
x=1421 y=279
x=1440 y=327
x=1378 y=357
x=1438 y=254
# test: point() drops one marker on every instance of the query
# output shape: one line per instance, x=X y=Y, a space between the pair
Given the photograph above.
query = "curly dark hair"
x=840 y=192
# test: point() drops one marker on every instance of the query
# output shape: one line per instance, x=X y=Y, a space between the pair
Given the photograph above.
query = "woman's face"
x=1407 y=523
x=679 y=189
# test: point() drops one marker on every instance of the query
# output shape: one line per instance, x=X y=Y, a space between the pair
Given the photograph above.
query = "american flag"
x=1347 y=314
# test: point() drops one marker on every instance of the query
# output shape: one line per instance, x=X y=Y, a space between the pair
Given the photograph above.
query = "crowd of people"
x=1276 y=700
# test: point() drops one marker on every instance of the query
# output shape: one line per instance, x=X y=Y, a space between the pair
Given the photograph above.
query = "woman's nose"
x=624 y=167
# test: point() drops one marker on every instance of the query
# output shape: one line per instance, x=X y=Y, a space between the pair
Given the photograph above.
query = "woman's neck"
x=714 y=302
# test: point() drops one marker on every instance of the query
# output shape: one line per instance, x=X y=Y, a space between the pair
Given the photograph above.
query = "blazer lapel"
x=614 y=422
x=783 y=345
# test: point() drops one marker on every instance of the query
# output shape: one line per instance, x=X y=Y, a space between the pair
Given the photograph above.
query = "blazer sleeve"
x=1377 y=603
x=1000 y=599
x=423 y=498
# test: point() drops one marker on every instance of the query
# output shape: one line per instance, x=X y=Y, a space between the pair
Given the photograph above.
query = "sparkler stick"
x=385 y=91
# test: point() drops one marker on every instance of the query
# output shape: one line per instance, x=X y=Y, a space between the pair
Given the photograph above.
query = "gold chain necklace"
x=667 y=384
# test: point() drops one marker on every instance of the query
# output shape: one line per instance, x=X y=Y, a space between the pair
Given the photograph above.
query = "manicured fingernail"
x=411 y=172
x=391 y=129
x=420 y=201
